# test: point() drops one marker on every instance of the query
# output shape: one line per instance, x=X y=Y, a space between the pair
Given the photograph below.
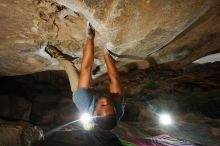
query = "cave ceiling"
x=148 y=32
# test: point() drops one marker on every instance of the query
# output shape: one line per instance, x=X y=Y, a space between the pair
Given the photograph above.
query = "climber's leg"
x=71 y=71
x=68 y=66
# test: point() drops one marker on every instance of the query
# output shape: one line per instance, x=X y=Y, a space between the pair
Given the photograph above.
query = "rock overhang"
x=137 y=30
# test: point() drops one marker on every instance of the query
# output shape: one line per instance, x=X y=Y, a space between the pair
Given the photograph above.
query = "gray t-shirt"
x=86 y=99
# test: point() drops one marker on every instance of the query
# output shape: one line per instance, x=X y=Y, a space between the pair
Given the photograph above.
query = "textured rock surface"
x=19 y=133
x=146 y=31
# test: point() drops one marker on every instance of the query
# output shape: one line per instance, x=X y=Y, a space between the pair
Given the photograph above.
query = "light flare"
x=85 y=118
x=165 y=119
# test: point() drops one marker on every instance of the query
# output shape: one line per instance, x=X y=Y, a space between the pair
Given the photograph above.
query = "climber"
x=109 y=108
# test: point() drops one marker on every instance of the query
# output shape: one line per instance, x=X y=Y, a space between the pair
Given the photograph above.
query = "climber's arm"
x=87 y=63
x=87 y=60
x=115 y=85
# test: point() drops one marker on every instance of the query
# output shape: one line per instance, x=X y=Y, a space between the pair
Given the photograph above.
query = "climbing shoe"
x=53 y=51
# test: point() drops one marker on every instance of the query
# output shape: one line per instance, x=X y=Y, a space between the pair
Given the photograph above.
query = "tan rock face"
x=154 y=32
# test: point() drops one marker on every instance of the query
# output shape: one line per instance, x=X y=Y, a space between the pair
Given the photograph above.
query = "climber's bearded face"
x=104 y=107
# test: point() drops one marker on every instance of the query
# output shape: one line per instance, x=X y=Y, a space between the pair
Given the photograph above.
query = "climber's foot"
x=53 y=51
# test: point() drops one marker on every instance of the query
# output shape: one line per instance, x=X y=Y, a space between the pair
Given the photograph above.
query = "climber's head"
x=105 y=110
